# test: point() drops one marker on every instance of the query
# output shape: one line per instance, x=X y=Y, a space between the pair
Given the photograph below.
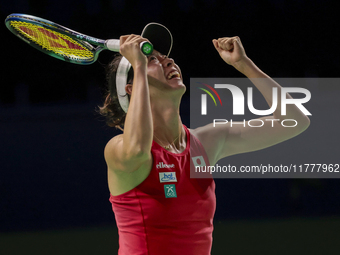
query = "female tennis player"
x=158 y=208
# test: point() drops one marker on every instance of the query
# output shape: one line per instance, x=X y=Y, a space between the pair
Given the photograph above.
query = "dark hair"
x=111 y=109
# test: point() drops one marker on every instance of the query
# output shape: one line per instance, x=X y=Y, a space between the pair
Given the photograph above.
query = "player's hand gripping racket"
x=61 y=42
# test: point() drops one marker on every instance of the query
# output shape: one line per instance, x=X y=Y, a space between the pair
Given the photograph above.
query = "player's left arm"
x=225 y=140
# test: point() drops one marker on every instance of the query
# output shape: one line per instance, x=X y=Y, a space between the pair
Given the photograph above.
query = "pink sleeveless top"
x=169 y=213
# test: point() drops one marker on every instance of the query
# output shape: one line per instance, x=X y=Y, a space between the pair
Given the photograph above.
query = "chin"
x=181 y=88
x=178 y=84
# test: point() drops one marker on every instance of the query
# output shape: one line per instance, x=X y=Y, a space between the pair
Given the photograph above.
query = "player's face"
x=163 y=72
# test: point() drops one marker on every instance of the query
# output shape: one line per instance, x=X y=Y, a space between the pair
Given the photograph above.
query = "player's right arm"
x=131 y=151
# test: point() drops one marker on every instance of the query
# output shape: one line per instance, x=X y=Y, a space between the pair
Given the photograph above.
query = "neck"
x=167 y=124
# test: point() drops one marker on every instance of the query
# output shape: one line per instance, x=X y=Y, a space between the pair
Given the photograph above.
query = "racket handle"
x=114 y=45
x=146 y=48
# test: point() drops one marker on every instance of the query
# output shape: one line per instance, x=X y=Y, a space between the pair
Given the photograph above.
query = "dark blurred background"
x=52 y=170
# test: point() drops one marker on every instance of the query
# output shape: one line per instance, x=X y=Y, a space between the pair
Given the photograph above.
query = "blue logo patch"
x=167 y=177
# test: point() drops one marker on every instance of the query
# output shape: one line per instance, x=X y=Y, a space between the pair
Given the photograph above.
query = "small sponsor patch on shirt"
x=170 y=190
x=198 y=161
x=167 y=177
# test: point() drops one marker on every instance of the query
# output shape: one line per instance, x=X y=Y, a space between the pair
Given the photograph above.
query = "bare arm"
x=225 y=140
x=131 y=150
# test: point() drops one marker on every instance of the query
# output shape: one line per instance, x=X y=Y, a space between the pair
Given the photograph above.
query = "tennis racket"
x=61 y=42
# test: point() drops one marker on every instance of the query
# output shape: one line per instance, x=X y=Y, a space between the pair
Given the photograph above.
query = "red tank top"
x=169 y=213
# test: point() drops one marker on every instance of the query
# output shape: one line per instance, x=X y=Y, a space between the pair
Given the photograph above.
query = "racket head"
x=52 y=39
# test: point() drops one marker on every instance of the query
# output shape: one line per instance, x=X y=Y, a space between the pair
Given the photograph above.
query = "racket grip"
x=114 y=45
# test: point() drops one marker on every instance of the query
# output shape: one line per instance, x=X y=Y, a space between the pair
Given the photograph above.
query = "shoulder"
x=212 y=139
x=114 y=141
x=118 y=159
x=112 y=144
x=124 y=173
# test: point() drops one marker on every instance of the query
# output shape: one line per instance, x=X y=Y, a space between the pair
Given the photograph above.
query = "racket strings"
x=53 y=41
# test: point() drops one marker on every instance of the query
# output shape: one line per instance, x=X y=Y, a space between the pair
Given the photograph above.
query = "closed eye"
x=152 y=58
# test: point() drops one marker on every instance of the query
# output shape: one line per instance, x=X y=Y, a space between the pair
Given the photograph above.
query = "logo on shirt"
x=198 y=161
x=167 y=177
x=170 y=190
x=162 y=165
